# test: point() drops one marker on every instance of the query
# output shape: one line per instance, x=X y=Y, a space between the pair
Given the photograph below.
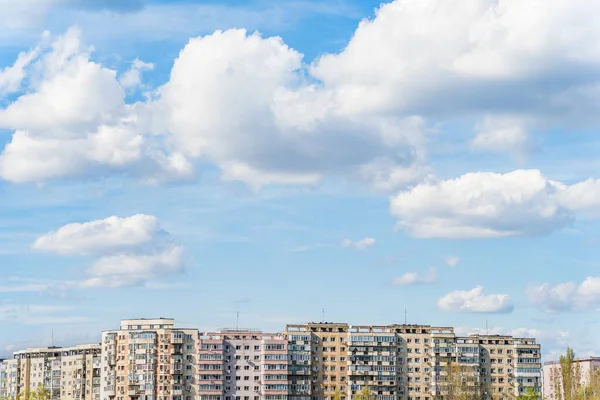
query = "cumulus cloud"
x=414 y=278
x=475 y=301
x=485 y=204
x=261 y=121
x=567 y=296
x=90 y=132
x=251 y=106
x=362 y=244
x=106 y=236
x=465 y=58
x=132 y=78
x=452 y=261
x=129 y=251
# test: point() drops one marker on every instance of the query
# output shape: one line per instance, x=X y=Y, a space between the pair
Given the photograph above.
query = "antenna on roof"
x=237 y=321
x=323 y=314
x=52 y=337
x=405 y=317
x=486 y=328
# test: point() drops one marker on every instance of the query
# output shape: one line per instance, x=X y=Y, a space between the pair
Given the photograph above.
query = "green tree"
x=364 y=394
x=566 y=377
x=40 y=393
x=530 y=394
x=337 y=395
x=461 y=382
x=592 y=389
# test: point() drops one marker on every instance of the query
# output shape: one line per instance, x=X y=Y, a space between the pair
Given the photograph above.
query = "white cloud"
x=414 y=278
x=132 y=78
x=89 y=131
x=134 y=270
x=253 y=108
x=456 y=59
x=567 y=296
x=262 y=122
x=11 y=77
x=475 y=301
x=500 y=134
x=362 y=244
x=452 y=261
x=106 y=236
x=583 y=198
x=130 y=251
x=482 y=204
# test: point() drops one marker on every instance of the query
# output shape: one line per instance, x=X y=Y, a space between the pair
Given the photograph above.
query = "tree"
x=40 y=393
x=364 y=394
x=337 y=395
x=591 y=391
x=461 y=382
x=566 y=377
x=530 y=394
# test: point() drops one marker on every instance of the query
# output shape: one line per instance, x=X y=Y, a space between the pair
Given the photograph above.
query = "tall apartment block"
x=322 y=348
x=411 y=362
x=66 y=373
x=552 y=369
x=9 y=379
x=149 y=359
x=242 y=365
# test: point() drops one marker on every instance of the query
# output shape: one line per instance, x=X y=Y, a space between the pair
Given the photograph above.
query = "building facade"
x=9 y=379
x=413 y=362
x=151 y=359
x=65 y=373
x=242 y=365
x=552 y=369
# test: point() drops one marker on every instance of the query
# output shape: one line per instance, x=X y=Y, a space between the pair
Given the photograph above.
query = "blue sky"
x=438 y=157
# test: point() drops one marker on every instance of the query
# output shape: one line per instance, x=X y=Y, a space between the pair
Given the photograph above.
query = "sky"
x=431 y=161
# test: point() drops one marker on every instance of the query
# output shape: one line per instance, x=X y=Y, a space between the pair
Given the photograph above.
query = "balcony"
x=177 y=369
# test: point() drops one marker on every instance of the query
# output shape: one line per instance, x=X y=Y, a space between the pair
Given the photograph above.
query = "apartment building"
x=392 y=361
x=552 y=369
x=413 y=362
x=80 y=372
x=320 y=353
x=149 y=359
x=242 y=364
x=65 y=373
x=9 y=382
x=38 y=367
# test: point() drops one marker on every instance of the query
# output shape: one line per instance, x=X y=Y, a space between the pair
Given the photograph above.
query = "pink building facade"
x=586 y=365
x=242 y=365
